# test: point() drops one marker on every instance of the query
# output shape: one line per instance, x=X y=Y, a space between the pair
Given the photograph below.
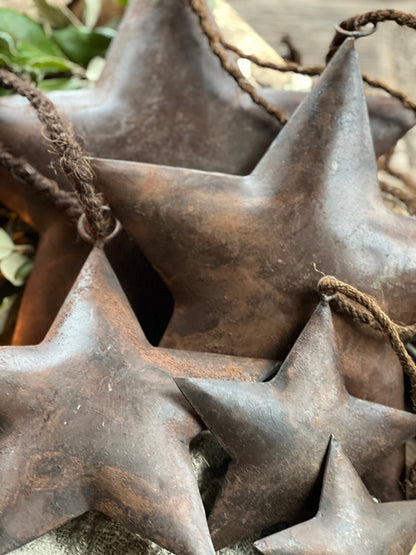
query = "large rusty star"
x=242 y=255
x=163 y=98
x=349 y=520
x=91 y=419
x=277 y=432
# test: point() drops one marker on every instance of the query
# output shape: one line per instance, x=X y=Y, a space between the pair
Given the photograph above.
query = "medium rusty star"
x=163 y=98
x=349 y=520
x=277 y=432
x=242 y=255
x=91 y=419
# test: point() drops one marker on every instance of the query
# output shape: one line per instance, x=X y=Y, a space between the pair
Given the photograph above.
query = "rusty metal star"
x=163 y=98
x=349 y=520
x=242 y=255
x=91 y=419
x=277 y=432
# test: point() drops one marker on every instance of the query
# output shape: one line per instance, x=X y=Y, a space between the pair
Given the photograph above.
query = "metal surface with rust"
x=277 y=432
x=349 y=520
x=242 y=255
x=91 y=418
x=163 y=98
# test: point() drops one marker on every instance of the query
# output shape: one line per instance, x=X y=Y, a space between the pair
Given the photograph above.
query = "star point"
x=277 y=432
x=349 y=520
x=247 y=248
x=93 y=420
x=163 y=98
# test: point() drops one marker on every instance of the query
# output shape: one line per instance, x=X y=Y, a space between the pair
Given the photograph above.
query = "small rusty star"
x=277 y=432
x=349 y=520
x=91 y=419
x=163 y=98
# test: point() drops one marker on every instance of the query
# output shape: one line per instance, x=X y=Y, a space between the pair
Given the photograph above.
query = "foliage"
x=53 y=58
x=59 y=53
x=16 y=262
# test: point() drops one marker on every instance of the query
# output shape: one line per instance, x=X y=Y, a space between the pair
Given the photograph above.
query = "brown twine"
x=406 y=196
x=21 y=170
x=72 y=159
x=220 y=46
x=294 y=54
x=365 y=309
x=217 y=46
x=374 y=17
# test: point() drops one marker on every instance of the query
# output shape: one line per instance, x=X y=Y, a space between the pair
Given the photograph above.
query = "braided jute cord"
x=72 y=159
x=21 y=170
x=220 y=48
x=217 y=46
x=365 y=309
x=356 y=22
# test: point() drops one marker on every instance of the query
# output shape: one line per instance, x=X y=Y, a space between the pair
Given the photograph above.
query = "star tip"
x=260 y=546
x=334 y=450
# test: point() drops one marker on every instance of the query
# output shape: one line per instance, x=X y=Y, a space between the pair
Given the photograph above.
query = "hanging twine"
x=373 y=17
x=365 y=309
x=217 y=46
x=72 y=159
x=354 y=24
x=21 y=170
x=220 y=48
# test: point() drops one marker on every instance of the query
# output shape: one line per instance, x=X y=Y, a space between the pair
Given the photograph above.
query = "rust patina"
x=91 y=419
x=349 y=520
x=277 y=432
x=164 y=99
x=242 y=255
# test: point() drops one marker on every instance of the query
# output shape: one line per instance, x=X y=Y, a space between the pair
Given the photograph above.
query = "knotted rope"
x=365 y=309
x=72 y=160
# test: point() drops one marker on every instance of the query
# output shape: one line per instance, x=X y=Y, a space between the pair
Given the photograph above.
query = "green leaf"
x=23 y=29
x=81 y=44
x=5 y=307
x=24 y=271
x=62 y=84
x=11 y=265
x=123 y=2
x=92 y=12
x=7 y=44
x=25 y=47
x=6 y=244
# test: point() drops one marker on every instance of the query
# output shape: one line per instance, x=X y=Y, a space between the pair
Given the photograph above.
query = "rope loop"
x=365 y=309
x=356 y=33
x=86 y=234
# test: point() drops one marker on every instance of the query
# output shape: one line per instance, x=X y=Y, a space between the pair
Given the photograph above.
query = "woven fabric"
x=96 y=534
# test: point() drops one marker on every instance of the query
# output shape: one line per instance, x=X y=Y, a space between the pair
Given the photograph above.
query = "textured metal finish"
x=388 y=120
x=349 y=520
x=91 y=418
x=277 y=432
x=163 y=98
x=250 y=249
